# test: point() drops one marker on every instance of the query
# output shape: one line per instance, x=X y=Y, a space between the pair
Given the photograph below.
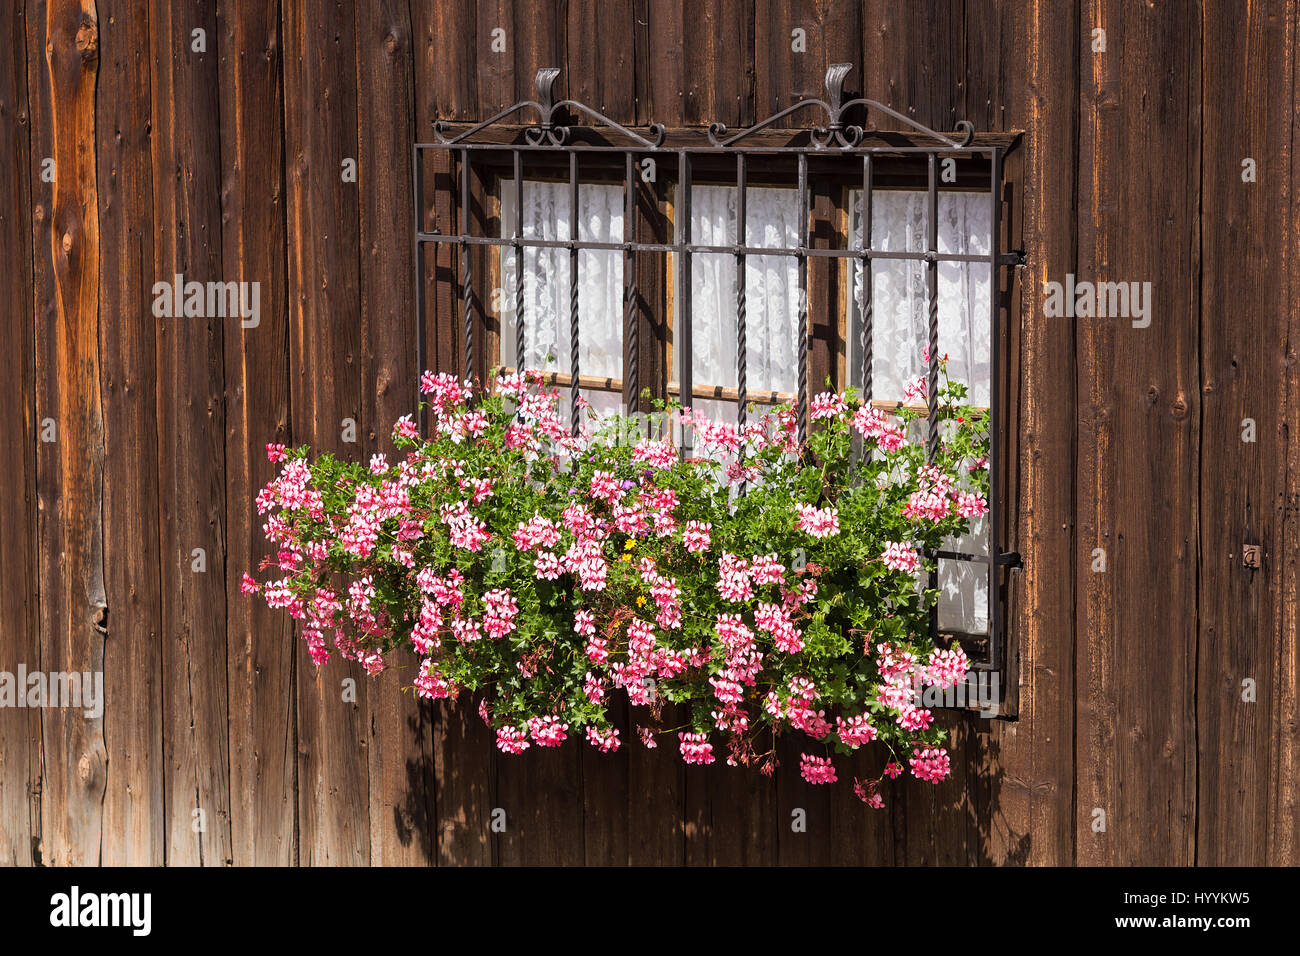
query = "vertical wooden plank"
x=934 y=821
x=803 y=805
x=514 y=39
x=191 y=436
x=656 y=828
x=790 y=67
x=133 y=801
x=446 y=88
x=465 y=782
x=1284 y=754
x=607 y=800
x=260 y=642
x=69 y=473
x=1242 y=373
x=322 y=228
x=1138 y=389
x=445 y=52
x=540 y=791
x=699 y=62
x=742 y=813
x=401 y=756
x=1027 y=809
x=20 y=728
x=860 y=835
x=600 y=56
x=914 y=61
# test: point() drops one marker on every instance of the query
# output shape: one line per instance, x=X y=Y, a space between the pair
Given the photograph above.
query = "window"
x=616 y=256
x=772 y=300
x=548 y=215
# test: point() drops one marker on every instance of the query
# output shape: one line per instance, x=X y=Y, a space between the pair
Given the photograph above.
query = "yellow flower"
x=640 y=600
x=627 y=559
x=629 y=545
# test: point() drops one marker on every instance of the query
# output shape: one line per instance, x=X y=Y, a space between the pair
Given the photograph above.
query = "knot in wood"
x=87 y=39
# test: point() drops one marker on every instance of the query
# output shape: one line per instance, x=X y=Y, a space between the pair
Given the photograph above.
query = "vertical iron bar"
x=741 y=346
x=631 y=319
x=574 y=220
x=803 y=297
x=932 y=378
x=932 y=292
x=466 y=278
x=866 y=359
x=995 y=390
x=683 y=344
x=521 y=341
x=417 y=184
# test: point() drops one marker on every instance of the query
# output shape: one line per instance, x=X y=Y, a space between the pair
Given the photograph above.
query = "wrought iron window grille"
x=843 y=135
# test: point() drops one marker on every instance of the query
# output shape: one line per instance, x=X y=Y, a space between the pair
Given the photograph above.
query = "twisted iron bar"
x=520 y=338
x=742 y=352
x=932 y=290
x=631 y=320
x=865 y=358
x=575 y=219
x=836 y=133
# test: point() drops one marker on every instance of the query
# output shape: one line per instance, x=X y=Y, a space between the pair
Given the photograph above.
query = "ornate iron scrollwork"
x=836 y=133
x=547 y=132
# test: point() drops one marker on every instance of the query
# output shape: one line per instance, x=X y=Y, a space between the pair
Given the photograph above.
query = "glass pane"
x=547 y=215
x=900 y=305
x=771 y=293
x=964 y=585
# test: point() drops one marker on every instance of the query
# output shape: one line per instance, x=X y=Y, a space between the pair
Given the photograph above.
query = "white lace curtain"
x=547 y=214
x=900 y=306
x=771 y=294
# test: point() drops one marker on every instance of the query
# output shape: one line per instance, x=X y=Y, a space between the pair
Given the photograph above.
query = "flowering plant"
x=770 y=586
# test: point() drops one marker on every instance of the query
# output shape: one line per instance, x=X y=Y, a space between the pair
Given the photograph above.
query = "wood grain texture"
x=832 y=33
x=322 y=232
x=69 y=471
x=402 y=805
x=1138 y=388
x=1283 y=833
x=604 y=73
x=261 y=645
x=135 y=822
x=914 y=61
x=191 y=435
x=512 y=40
x=20 y=729
x=703 y=56
x=1242 y=489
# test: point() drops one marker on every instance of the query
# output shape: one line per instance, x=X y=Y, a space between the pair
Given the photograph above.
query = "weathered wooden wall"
x=226 y=164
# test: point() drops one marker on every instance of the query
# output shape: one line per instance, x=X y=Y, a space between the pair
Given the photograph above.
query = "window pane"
x=547 y=215
x=964 y=585
x=900 y=307
x=771 y=294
